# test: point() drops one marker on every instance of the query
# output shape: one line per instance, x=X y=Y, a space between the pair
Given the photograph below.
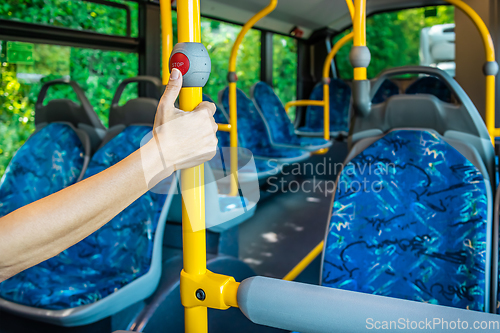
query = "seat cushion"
x=431 y=85
x=49 y=161
x=110 y=258
x=340 y=99
x=280 y=128
x=409 y=221
x=386 y=90
x=252 y=132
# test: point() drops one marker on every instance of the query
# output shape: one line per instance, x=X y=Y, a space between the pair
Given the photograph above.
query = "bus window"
x=394 y=38
x=218 y=37
x=285 y=69
x=98 y=72
x=78 y=15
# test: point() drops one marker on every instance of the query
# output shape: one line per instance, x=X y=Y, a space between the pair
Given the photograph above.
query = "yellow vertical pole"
x=167 y=37
x=359 y=30
x=192 y=179
x=326 y=111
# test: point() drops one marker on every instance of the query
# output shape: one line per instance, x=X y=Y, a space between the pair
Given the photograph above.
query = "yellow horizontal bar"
x=224 y=127
x=303 y=102
x=304 y=262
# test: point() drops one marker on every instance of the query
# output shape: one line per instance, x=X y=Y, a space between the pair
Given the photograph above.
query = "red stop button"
x=179 y=61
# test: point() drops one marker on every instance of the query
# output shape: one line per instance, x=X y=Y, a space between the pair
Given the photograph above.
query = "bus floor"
x=292 y=216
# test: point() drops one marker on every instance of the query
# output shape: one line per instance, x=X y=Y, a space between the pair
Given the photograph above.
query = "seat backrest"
x=81 y=116
x=460 y=120
x=411 y=218
x=387 y=89
x=279 y=127
x=252 y=132
x=430 y=85
x=51 y=159
x=340 y=99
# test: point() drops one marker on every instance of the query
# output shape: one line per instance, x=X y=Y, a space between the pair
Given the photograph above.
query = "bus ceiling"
x=307 y=15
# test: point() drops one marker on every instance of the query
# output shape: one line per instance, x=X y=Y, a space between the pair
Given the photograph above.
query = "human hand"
x=182 y=139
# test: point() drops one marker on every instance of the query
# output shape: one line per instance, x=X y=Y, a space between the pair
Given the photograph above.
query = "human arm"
x=44 y=228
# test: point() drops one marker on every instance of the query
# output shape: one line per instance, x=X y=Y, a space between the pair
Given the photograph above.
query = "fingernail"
x=175 y=74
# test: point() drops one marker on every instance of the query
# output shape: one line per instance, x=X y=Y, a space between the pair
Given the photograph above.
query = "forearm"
x=39 y=231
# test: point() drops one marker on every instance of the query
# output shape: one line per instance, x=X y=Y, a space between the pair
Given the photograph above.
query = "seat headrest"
x=65 y=110
x=141 y=110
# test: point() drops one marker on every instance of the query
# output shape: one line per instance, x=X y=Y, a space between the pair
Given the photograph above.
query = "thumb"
x=172 y=89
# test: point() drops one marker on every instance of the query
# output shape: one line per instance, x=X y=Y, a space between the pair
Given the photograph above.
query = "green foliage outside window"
x=98 y=72
x=74 y=14
x=218 y=37
x=393 y=39
x=285 y=69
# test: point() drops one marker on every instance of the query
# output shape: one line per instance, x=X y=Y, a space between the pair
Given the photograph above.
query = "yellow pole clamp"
x=210 y=290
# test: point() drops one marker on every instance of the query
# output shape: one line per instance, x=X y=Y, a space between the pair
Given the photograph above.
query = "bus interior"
x=354 y=187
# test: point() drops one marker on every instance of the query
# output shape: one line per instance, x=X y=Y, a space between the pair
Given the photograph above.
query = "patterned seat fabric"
x=49 y=161
x=107 y=260
x=281 y=128
x=340 y=99
x=430 y=85
x=386 y=90
x=252 y=132
x=409 y=221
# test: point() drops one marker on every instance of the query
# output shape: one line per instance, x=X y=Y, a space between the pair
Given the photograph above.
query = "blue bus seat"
x=264 y=167
x=340 y=101
x=430 y=85
x=252 y=132
x=50 y=160
x=279 y=127
x=419 y=230
x=55 y=155
x=117 y=265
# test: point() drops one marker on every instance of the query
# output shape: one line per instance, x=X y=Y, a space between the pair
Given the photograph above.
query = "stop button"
x=180 y=61
x=193 y=61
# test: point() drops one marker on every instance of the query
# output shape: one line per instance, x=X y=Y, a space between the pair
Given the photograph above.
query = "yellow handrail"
x=302 y=102
x=299 y=268
x=233 y=121
x=489 y=50
x=325 y=103
x=326 y=87
x=192 y=180
x=167 y=37
x=359 y=30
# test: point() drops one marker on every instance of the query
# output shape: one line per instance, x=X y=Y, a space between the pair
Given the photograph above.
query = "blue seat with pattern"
x=410 y=220
x=340 y=99
x=252 y=132
x=104 y=262
x=431 y=85
x=279 y=127
x=263 y=167
x=50 y=160
x=56 y=154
